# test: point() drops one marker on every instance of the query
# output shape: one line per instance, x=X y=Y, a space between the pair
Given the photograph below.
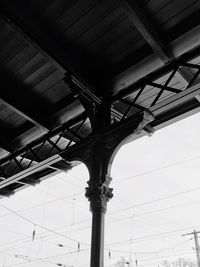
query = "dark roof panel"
x=60 y=59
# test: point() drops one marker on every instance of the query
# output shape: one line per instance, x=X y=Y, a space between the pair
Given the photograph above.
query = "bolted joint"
x=98 y=195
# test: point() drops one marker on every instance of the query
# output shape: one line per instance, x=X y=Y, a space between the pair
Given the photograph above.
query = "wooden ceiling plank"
x=4 y=144
x=50 y=42
x=21 y=110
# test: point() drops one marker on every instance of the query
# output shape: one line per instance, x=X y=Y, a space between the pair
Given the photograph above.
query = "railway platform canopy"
x=79 y=78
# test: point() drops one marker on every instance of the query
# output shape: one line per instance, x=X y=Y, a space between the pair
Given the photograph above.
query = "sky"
x=156 y=200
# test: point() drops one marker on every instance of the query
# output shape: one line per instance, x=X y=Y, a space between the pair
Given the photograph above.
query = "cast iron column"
x=98 y=195
x=98 y=191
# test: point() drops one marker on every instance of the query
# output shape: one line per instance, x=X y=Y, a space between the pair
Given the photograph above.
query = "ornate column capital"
x=98 y=194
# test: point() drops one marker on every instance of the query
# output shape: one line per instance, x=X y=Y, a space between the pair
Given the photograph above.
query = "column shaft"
x=97 y=240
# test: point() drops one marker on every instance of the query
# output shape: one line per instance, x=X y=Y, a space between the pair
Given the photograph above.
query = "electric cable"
x=153 y=236
x=47 y=258
x=41 y=204
x=138 y=215
x=156 y=200
x=158 y=169
x=38 y=225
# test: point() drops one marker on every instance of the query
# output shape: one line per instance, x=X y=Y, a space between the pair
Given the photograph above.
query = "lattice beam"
x=162 y=84
x=43 y=148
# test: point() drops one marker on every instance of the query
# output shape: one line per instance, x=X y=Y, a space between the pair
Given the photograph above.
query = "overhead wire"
x=156 y=170
x=24 y=244
x=148 y=203
x=47 y=258
x=51 y=201
x=127 y=204
x=153 y=236
x=111 y=221
x=81 y=204
x=134 y=206
x=167 y=232
x=151 y=252
x=38 y=225
x=156 y=235
x=175 y=206
x=153 y=200
x=41 y=204
x=149 y=212
x=155 y=211
x=13 y=232
x=130 y=177
x=27 y=239
x=156 y=200
x=136 y=215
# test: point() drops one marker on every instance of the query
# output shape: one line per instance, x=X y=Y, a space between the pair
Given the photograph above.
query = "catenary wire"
x=38 y=225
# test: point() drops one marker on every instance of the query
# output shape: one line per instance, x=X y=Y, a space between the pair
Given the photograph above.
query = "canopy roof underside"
x=58 y=58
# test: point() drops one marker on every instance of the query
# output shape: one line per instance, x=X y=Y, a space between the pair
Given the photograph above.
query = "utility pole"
x=195 y=233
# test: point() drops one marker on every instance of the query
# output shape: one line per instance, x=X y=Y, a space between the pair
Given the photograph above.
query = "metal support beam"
x=170 y=67
x=164 y=87
x=145 y=27
x=176 y=100
x=27 y=172
x=82 y=89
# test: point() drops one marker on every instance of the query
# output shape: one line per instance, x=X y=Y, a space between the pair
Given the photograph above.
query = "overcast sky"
x=156 y=183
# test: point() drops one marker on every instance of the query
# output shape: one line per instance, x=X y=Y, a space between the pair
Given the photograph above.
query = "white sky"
x=156 y=199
